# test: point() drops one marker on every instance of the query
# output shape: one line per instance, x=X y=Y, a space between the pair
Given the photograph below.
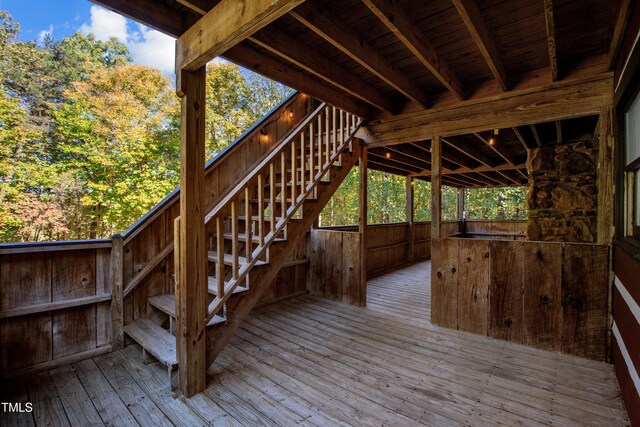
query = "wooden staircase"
x=255 y=227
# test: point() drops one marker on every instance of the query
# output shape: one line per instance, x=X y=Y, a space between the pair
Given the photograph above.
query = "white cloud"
x=42 y=35
x=148 y=47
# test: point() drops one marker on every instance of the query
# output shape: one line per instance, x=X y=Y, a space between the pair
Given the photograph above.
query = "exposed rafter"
x=520 y=138
x=223 y=27
x=551 y=38
x=397 y=20
x=392 y=162
x=618 y=31
x=289 y=48
x=154 y=14
x=534 y=131
x=396 y=156
x=499 y=150
x=199 y=6
x=470 y=14
x=327 y=26
x=269 y=67
x=472 y=151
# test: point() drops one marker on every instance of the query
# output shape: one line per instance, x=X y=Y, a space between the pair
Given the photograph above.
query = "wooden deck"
x=317 y=362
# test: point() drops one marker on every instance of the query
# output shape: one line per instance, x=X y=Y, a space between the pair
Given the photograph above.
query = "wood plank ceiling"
x=379 y=58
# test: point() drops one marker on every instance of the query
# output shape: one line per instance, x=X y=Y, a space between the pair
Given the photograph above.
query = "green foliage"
x=344 y=208
x=421 y=200
x=496 y=203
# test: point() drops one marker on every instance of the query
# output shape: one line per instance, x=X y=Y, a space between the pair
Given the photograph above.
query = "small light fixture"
x=290 y=112
x=263 y=135
x=492 y=141
x=388 y=155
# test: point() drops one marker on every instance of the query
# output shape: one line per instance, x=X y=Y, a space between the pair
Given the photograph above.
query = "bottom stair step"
x=155 y=340
x=167 y=304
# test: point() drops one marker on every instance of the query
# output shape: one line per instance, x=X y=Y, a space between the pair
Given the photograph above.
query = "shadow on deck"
x=318 y=362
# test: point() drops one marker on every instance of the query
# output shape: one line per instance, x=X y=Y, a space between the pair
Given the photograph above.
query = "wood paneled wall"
x=335 y=266
x=552 y=296
x=54 y=305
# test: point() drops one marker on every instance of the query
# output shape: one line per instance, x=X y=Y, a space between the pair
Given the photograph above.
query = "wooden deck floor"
x=316 y=362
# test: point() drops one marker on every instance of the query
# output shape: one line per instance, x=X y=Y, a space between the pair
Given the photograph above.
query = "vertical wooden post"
x=408 y=194
x=117 y=304
x=460 y=212
x=436 y=187
x=191 y=301
x=362 y=226
x=605 y=220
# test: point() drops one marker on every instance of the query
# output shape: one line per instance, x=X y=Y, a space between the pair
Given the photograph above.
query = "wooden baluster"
x=220 y=255
x=272 y=195
x=311 y=155
x=341 y=133
x=334 y=130
x=283 y=183
x=234 y=238
x=303 y=164
x=248 y=222
x=319 y=145
x=327 y=134
x=294 y=173
x=261 y=210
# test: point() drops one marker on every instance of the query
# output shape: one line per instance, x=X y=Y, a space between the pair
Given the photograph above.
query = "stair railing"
x=296 y=165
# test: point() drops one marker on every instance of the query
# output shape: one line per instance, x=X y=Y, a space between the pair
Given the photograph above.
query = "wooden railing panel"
x=505 y=305
x=473 y=288
x=498 y=229
x=54 y=306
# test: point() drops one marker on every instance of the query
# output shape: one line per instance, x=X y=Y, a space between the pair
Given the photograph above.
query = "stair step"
x=255 y=239
x=155 y=340
x=228 y=258
x=213 y=287
x=167 y=304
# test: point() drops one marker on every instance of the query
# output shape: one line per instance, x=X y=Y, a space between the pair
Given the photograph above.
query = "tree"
x=118 y=138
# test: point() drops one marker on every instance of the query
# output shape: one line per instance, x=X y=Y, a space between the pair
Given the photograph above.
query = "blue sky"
x=61 y=18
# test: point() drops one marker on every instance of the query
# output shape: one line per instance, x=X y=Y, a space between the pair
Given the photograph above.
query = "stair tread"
x=255 y=239
x=228 y=259
x=213 y=287
x=154 y=339
x=167 y=304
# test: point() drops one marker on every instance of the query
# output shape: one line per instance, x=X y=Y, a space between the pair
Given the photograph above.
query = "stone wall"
x=563 y=192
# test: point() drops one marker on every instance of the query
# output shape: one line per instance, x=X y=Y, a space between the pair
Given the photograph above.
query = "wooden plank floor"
x=316 y=362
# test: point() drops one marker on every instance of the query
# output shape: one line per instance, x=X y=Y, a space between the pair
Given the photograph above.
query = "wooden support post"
x=362 y=227
x=191 y=297
x=460 y=212
x=605 y=221
x=117 y=283
x=408 y=193
x=436 y=187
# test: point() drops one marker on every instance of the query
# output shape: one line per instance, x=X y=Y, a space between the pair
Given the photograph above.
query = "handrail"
x=323 y=152
x=133 y=229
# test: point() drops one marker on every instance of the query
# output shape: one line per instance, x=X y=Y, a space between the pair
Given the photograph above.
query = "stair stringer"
x=238 y=308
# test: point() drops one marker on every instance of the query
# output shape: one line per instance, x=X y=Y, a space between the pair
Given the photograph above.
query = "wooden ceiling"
x=381 y=58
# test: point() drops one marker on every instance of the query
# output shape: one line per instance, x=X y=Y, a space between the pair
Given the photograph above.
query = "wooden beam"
x=275 y=70
x=470 y=14
x=191 y=291
x=500 y=150
x=327 y=26
x=559 y=131
x=534 y=131
x=460 y=204
x=151 y=13
x=606 y=179
x=381 y=159
x=408 y=195
x=397 y=156
x=382 y=167
x=436 y=187
x=471 y=150
x=520 y=138
x=397 y=20
x=556 y=101
x=199 y=6
x=618 y=31
x=289 y=48
x=224 y=26
x=362 y=224
x=117 y=296
x=551 y=38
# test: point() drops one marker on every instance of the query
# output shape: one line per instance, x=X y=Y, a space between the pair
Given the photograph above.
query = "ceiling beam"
x=470 y=14
x=275 y=70
x=489 y=169
x=396 y=156
x=224 y=26
x=327 y=26
x=397 y=20
x=520 y=138
x=424 y=146
x=534 y=131
x=152 y=13
x=556 y=101
x=289 y=48
x=199 y=6
x=381 y=159
x=471 y=150
x=498 y=149
x=551 y=38
x=618 y=31
x=372 y=164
